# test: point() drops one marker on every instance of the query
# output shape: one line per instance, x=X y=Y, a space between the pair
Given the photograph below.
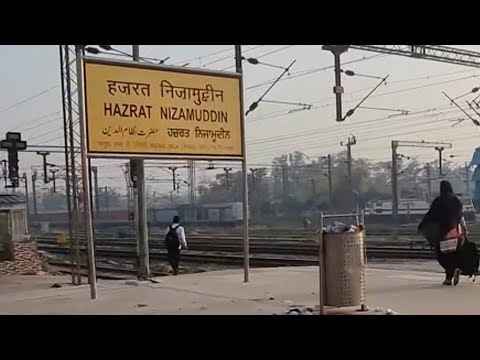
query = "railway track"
x=279 y=253
x=267 y=249
x=227 y=250
x=103 y=271
x=256 y=260
x=221 y=239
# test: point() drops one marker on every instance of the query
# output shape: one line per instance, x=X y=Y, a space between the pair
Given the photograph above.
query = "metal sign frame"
x=86 y=156
x=173 y=69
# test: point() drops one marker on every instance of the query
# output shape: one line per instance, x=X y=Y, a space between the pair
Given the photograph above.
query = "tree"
x=109 y=198
x=53 y=201
x=296 y=184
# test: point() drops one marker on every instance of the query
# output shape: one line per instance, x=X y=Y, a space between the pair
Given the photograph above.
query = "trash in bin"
x=340 y=227
x=297 y=311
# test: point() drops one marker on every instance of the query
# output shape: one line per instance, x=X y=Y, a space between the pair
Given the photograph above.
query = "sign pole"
x=246 y=250
x=163 y=115
x=141 y=210
x=87 y=205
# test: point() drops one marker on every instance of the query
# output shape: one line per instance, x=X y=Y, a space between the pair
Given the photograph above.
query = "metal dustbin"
x=344 y=265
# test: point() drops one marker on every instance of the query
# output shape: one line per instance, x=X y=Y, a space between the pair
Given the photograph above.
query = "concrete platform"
x=270 y=291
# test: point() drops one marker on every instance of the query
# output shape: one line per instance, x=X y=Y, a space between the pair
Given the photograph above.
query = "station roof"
x=11 y=199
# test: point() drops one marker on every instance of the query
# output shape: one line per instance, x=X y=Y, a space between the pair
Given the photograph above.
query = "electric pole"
x=285 y=182
x=107 y=205
x=329 y=175
x=96 y=189
x=467 y=180
x=191 y=188
x=173 y=169
x=34 y=192
x=245 y=212
x=395 y=187
x=337 y=50
x=25 y=179
x=137 y=166
x=54 y=179
x=395 y=145
x=440 y=159
x=351 y=141
x=254 y=172
x=44 y=155
x=429 y=183
x=227 y=172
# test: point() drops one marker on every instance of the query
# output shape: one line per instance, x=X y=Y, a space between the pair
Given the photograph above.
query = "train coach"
x=221 y=214
x=410 y=210
x=209 y=214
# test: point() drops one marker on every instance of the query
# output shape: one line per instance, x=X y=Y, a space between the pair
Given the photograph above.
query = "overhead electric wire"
x=49 y=121
x=368 y=139
x=227 y=57
x=373 y=96
x=353 y=126
x=30 y=98
x=294 y=75
x=44 y=134
x=405 y=80
x=332 y=98
x=263 y=55
x=334 y=141
x=33 y=121
x=230 y=49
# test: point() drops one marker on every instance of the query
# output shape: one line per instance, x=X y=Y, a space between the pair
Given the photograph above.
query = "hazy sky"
x=413 y=85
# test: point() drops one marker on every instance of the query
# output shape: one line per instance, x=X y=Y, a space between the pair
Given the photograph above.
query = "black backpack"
x=171 y=239
x=469 y=259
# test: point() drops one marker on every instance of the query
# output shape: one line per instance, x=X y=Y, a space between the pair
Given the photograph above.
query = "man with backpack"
x=174 y=242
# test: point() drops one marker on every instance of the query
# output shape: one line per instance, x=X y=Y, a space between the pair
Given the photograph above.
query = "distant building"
x=13 y=223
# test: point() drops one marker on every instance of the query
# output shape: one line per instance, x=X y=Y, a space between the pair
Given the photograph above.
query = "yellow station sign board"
x=137 y=109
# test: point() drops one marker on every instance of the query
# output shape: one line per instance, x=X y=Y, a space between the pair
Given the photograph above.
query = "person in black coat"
x=445 y=214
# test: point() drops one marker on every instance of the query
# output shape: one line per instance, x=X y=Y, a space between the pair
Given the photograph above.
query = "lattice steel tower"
x=73 y=165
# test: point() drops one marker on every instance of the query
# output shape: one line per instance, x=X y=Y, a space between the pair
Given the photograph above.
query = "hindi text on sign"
x=199 y=96
x=126 y=87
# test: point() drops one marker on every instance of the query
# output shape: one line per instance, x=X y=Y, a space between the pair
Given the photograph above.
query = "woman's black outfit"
x=446 y=212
